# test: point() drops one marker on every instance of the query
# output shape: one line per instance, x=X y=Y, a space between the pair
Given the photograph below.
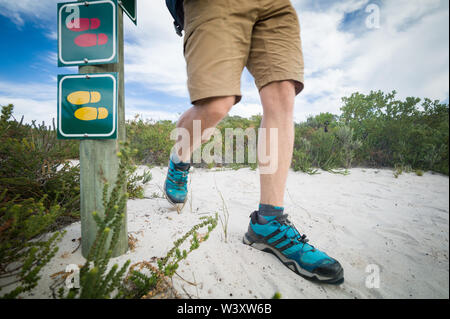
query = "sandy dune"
x=400 y=226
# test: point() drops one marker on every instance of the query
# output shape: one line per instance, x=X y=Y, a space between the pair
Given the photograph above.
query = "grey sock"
x=269 y=211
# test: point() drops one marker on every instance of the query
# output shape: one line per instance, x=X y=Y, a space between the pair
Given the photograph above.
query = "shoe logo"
x=87 y=39
x=87 y=113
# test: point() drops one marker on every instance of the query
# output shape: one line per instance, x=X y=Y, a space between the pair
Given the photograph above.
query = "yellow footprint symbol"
x=87 y=113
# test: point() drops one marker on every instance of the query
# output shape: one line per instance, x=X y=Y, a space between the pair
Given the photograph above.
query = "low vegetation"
x=374 y=130
x=39 y=186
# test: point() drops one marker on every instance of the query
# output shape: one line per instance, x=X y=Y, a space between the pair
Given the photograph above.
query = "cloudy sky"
x=409 y=52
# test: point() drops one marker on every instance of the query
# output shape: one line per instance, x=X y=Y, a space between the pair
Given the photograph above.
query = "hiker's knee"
x=278 y=98
x=215 y=109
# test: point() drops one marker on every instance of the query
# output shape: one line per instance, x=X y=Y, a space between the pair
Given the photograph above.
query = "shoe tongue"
x=267 y=219
x=290 y=233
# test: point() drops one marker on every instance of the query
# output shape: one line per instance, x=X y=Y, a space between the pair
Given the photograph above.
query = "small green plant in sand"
x=136 y=182
x=399 y=169
x=301 y=160
x=277 y=295
x=25 y=248
x=96 y=282
x=155 y=282
x=33 y=164
x=95 y=279
x=225 y=217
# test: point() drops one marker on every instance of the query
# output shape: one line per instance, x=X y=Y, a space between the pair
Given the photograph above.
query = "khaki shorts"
x=224 y=36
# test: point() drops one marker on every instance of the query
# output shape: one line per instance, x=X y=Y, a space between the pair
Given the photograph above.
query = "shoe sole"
x=293 y=265
x=179 y=206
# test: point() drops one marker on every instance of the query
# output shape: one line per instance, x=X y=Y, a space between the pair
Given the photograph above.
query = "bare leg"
x=210 y=112
x=278 y=103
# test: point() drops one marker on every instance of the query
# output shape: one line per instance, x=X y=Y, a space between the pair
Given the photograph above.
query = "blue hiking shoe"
x=175 y=186
x=279 y=237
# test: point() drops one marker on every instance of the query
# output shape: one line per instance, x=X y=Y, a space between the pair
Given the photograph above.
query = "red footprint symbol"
x=87 y=39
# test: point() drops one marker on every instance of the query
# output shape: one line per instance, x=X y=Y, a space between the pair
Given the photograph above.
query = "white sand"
x=368 y=217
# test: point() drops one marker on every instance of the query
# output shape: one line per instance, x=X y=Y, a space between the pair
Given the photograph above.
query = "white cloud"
x=37 y=91
x=409 y=53
x=31 y=109
x=246 y=110
x=22 y=10
x=148 y=110
x=152 y=115
x=154 y=56
x=33 y=101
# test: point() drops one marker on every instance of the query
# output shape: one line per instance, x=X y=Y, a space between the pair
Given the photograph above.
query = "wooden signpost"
x=91 y=105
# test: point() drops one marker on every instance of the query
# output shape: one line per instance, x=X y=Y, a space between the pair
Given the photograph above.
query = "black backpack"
x=177 y=11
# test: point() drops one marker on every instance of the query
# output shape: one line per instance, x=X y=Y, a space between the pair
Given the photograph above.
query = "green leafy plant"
x=142 y=285
x=135 y=184
x=277 y=295
x=151 y=139
x=24 y=246
x=96 y=281
x=225 y=217
x=375 y=130
x=412 y=132
x=302 y=157
x=399 y=169
x=33 y=164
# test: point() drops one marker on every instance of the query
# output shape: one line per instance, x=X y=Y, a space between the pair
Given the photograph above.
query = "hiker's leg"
x=277 y=99
x=209 y=112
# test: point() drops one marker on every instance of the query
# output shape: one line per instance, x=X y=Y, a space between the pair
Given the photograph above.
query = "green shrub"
x=347 y=145
x=141 y=285
x=96 y=282
x=151 y=139
x=23 y=250
x=331 y=150
x=324 y=121
x=399 y=132
x=33 y=164
x=302 y=158
x=135 y=184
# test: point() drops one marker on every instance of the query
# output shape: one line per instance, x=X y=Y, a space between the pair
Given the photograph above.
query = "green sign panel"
x=87 y=106
x=130 y=8
x=87 y=32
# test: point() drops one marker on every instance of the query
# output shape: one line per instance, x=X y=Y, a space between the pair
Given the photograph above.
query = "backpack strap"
x=177 y=11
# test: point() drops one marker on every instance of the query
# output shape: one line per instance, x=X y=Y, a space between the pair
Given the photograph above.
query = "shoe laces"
x=178 y=178
x=301 y=239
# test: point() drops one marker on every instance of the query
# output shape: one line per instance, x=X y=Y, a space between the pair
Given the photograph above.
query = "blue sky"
x=408 y=53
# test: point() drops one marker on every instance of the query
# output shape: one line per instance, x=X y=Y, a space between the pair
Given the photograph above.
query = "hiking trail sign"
x=91 y=104
x=87 y=106
x=87 y=33
x=130 y=8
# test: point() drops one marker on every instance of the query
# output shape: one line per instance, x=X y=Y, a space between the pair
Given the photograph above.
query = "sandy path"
x=366 y=218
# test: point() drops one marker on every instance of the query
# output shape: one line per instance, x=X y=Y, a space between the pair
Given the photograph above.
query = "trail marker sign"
x=87 y=106
x=87 y=33
x=130 y=8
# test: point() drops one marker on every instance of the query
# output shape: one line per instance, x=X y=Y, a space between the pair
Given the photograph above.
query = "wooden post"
x=98 y=159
